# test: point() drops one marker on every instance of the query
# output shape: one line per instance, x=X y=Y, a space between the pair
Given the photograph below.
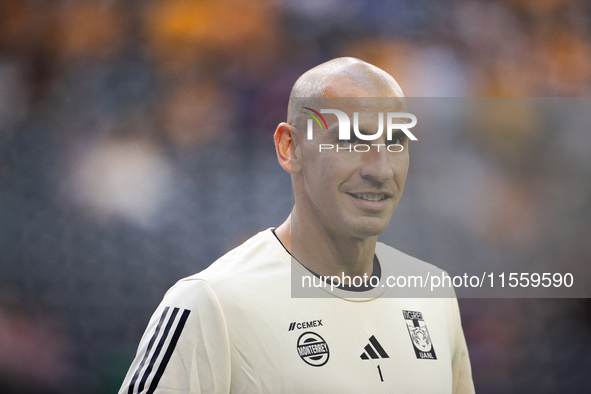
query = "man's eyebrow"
x=333 y=127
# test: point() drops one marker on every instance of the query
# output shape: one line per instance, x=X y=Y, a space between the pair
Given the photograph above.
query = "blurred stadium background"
x=135 y=149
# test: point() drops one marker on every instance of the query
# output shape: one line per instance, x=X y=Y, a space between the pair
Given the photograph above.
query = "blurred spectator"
x=34 y=356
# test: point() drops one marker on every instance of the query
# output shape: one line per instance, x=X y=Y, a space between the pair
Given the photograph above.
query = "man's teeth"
x=370 y=197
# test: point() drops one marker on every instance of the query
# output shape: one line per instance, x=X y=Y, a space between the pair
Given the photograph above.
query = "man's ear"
x=285 y=146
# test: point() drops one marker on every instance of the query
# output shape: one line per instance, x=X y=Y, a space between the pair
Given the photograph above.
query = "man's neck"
x=326 y=253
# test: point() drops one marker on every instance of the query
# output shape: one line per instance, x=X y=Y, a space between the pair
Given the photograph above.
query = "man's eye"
x=398 y=138
x=351 y=140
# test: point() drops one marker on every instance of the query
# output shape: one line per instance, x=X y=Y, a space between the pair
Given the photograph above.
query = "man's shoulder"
x=256 y=266
x=256 y=255
x=400 y=261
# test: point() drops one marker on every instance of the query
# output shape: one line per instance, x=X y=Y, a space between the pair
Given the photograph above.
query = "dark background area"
x=135 y=149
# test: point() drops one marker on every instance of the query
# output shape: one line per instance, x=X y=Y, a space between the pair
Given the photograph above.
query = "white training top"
x=235 y=328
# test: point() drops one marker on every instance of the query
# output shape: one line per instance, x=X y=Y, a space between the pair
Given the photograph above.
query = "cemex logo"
x=345 y=124
x=305 y=324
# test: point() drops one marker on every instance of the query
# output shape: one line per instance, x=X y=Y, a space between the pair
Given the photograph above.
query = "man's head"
x=345 y=193
x=344 y=77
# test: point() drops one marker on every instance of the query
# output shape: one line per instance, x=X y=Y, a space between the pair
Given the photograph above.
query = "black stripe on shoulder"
x=158 y=349
x=168 y=354
x=150 y=344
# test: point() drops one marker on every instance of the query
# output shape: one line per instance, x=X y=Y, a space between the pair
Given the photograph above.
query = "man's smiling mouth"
x=370 y=196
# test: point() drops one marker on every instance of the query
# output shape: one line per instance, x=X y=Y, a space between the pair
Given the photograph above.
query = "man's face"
x=348 y=193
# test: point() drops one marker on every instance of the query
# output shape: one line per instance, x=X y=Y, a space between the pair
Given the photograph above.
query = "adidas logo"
x=371 y=348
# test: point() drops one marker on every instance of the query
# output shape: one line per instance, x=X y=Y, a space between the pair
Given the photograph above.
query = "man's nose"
x=376 y=165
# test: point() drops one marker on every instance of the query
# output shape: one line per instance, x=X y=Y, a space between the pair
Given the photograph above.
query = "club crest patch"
x=419 y=335
x=313 y=349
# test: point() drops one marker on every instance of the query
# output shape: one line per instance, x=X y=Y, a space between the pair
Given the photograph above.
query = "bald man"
x=237 y=327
